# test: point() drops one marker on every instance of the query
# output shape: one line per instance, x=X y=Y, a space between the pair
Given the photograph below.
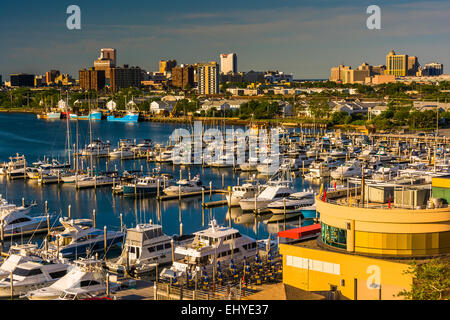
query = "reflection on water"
x=36 y=138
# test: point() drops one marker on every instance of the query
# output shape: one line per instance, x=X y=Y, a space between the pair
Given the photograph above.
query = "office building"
x=109 y=54
x=125 y=77
x=50 y=76
x=166 y=66
x=228 y=63
x=396 y=64
x=413 y=66
x=337 y=73
x=183 y=76
x=22 y=80
x=92 y=79
x=208 y=78
x=433 y=69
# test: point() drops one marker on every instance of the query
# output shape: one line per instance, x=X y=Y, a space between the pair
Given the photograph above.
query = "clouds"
x=305 y=38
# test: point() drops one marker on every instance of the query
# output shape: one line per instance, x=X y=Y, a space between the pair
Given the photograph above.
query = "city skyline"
x=264 y=37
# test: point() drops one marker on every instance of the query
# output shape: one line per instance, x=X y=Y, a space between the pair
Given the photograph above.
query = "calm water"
x=25 y=134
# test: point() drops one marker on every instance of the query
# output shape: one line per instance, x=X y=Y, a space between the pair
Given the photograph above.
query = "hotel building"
x=208 y=78
x=228 y=63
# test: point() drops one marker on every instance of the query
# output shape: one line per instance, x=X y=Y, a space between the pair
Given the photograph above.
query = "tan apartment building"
x=92 y=79
x=208 y=78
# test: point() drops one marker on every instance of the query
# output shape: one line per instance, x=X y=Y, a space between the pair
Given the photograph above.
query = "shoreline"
x=291 y=122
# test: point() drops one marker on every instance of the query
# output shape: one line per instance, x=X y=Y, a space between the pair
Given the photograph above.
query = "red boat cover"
x=297 y=233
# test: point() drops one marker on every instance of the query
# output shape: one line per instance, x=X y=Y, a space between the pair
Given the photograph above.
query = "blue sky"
x=305 y=38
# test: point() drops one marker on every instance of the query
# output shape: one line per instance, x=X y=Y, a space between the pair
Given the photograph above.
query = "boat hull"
x=126 y=118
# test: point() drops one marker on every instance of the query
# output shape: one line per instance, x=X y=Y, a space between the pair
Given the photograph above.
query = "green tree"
x=431 y=281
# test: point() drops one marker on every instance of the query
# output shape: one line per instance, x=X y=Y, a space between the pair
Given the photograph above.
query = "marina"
x=141 y=215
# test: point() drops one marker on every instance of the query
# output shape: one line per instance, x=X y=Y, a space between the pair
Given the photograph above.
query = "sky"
x=302 y=37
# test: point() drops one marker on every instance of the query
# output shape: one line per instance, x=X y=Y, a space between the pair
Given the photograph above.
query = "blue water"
x=25 y=134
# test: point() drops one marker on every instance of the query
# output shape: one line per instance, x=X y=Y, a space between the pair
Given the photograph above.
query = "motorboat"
x=32 y=275
x=18 y=253
x=348 y=169
x=217 y=245
x=250 y=165
x=185 y=186
x=84 y=277
x=15 y=168
x=16 y=220
x=145 y=185
x=97 y=148
x=79 y=239
x=93 y=181
x=275 y=190
x=245 y=191
x=296 y=202
x=145 y=247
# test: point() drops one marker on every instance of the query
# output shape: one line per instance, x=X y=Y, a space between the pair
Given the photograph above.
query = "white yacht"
x=84 y=277
x=185 y=186
x=268 y=166
x=348 y=169
x=144 y=247
x=92 y=182
x=18 y=254
x=216 y=244
x=32 y=275
x=275 y=190
x=247 y=190
x=15 y=168
x=250 y=165
x=16 y=220
x=296 y=202
x=164 y=155
x=97 y=148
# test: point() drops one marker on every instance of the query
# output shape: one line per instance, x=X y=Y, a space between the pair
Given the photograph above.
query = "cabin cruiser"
x=185 y=186
x=144 y=247
x=78 y=239
x=6 y=206
x=16 y=167
x=16 y=220
x=270 y=166
x=121 y=153
x=296 y=202
x=85 y=276
x=95 y=181
x=250 y=165
x=215 y=245
x=145 y=185
x=247 y=190
x=275 y=190
x=97 y=148
x=145 y=145
x=348 y=169
x=227 y=160
x=18 y=254
x=164 y=155
x=321 y=168
x=31 y=275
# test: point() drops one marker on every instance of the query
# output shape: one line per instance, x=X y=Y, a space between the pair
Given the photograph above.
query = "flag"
x=321 y=188
x=335 y=186
x=389 y=204
x=324 y=195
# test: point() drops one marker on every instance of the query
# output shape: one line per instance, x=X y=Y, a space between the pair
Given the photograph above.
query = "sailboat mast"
x=68 y=127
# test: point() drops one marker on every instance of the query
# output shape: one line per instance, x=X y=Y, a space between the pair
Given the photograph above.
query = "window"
x=160 y=247
x=26 y=273
x=334 y=236
x=87 y=283
x=151 y=249
x=58 y=274
x=20 y=220
x=167 y=245
x=132 y=249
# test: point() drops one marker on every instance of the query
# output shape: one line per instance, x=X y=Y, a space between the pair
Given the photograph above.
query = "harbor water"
x=25 y=134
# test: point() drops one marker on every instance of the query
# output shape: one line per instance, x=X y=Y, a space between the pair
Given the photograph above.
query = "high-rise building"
x=50 y=76
x=208 y=78
x=125 y=77
x=183 y=76
x=228 y=63
x=166 y=66
x=396 y=64
x=433 y=69
x=413 y=66
x=22 y=80
x=337 y=73
x=109 y=54
x=92 y=79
